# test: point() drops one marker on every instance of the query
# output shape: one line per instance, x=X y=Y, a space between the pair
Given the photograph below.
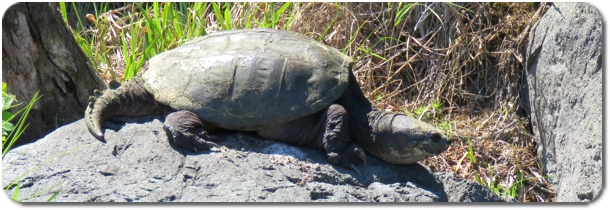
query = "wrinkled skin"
x=392 y=137
x=345 y=128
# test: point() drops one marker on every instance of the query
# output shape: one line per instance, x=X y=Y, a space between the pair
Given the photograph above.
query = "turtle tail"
x=130 y=99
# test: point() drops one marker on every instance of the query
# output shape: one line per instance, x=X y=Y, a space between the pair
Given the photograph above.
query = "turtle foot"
x=186 y=130
x=352 y=157
x=192 y=141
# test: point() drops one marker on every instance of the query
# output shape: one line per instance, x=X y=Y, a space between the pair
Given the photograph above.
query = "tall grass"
x=143 y=30
x=456 y=60
x=10 y=132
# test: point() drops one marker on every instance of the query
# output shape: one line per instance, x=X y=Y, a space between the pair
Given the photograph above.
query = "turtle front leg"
x=186 y=130
x=328 y=130
x=336 y=140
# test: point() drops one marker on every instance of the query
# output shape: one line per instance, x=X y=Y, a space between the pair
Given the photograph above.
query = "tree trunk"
x=39 y=53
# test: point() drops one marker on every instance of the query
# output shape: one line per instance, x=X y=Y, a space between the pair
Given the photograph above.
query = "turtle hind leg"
x=129 y=99
x=185 y=129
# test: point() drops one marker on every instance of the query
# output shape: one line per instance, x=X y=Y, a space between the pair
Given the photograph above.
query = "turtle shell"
x=249 y=79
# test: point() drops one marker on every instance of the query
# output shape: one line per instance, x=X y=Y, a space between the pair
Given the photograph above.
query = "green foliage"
x=402 y=11
x=53 y=196
x=370 y=52
x=10 y=132
x=149 y=29
x=447 y=126
x=470 y=154
x=63 y=10
x=165 y=26
x=224 y=19
x=512 y=188
x=353 y=37
x=332 y=22
x=156 y=27
x=495 y=187
x=419 y=111
x=500 y=189
x=7 y=101
x=438 y=106
x=515 y=187
x=16 y=194
x=427 y=112
x=379 y=97
x=92 y=45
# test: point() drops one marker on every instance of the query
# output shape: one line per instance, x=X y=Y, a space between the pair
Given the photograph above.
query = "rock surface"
x=137 y=163
x=565 y=93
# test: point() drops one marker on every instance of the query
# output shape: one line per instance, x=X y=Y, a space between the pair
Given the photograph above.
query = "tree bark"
x=39 y=53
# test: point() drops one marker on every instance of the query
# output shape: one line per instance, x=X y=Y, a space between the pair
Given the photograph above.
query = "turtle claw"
x=212 y=144
x=353 y=156
x=91 y=101
x=98 y=93
x=361 y=155
x=208 y=144
x=353 y=167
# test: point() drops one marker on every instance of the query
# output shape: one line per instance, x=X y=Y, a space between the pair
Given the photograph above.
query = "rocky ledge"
x=137 y=163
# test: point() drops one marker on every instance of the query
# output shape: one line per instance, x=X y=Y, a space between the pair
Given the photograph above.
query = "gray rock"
x=137 y=163
x=564 y=58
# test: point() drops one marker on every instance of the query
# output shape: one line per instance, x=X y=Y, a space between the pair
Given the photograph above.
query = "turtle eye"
x=435 y=137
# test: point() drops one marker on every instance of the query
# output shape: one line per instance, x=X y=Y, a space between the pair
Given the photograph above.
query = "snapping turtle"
x=283 y=85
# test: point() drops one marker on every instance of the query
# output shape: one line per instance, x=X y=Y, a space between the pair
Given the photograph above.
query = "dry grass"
x=468 y=57
x=465 y=57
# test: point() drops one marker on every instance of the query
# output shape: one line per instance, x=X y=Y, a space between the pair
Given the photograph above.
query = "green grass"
x=402 y=11
x=511 y=189
x=157 y=27
x=148 y=30
x=496 y=187
x=447 y=126
x=91 y=45
x=431 y=111
x=470 y=154
x=10 y=132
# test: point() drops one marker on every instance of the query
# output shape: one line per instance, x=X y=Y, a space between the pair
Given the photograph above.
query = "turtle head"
x=403 y=140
